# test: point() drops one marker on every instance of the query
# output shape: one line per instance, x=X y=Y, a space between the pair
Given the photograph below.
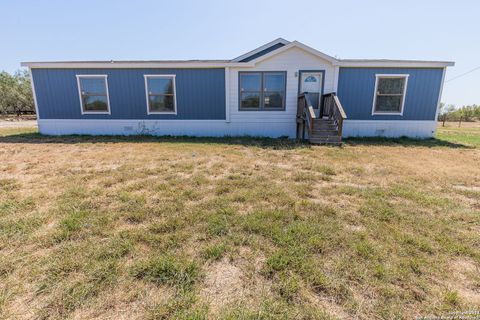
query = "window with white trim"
x=93 y=92
x=160 y=91
x=390 y=93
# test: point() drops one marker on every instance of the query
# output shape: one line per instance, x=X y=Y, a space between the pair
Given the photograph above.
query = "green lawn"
x=5 y=132
x=185 y=228
x=469 y=134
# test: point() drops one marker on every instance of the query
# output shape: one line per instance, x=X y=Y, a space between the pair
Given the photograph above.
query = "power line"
x=463 y=74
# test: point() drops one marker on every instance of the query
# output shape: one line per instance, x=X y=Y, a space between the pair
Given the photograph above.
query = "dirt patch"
x=122 y=304
x=234 y=282
x=355 y=228
x=224 y=284
x=328 y=305
x=466 y=280
x=467 y=188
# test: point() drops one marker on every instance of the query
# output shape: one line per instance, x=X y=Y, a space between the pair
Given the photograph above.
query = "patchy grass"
x=190 y=228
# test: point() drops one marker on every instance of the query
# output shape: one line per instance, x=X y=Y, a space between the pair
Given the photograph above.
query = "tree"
x=477 y=111
x=466 y=113
x=16 y=93
x=444 y=112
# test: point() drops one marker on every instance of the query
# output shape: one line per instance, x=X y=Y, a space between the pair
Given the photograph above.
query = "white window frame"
x=170 y=76
x=380 y=113
x=105 y=77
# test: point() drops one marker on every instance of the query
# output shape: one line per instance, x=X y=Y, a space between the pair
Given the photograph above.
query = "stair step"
x=327 y=143
x=323 y=124
x=323 y=121
x=328 y=137
x=325 y=128
x=324 y=133
x=321 y=139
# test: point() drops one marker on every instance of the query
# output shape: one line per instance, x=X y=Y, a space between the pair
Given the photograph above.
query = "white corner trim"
x=34 y=94
x=170 y=76
x=378 y=76
x=440 y=93
x=105 y=77
x=336 y=75
x=227 y=94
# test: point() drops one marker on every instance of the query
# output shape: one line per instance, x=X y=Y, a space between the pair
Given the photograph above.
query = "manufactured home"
x=281 y=89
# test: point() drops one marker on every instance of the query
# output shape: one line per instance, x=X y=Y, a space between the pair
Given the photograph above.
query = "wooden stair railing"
x=332 y=108
x=327 y=128
x=305 y=116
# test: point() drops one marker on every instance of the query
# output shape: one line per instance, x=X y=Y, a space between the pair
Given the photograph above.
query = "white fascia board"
x=395 y=64
x=138 y=65
x=131 y=65
x=265 y=46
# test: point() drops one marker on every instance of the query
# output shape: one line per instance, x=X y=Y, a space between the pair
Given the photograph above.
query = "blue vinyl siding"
x=356 y=88
x=200 y=93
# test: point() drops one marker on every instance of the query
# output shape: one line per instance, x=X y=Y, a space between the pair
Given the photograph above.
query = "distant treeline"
x=16 y=94
x=465 y=113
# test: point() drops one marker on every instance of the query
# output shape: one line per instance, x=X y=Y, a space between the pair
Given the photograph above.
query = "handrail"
x=305 y=111
x=332 y=108
x=310 y=106
x=339 y=107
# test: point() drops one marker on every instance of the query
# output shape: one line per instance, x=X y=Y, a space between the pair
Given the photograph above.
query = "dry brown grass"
x=131 y=228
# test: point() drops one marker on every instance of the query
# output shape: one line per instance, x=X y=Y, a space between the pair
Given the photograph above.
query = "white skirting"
x=200 y=128
x=220 y=128
x=389 y=128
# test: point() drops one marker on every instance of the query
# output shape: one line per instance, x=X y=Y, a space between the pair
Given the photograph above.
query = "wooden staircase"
x=324 y=131
x=327 y=127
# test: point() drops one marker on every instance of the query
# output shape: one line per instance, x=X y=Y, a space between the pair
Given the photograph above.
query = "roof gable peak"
x=277 y=42
x=300 y=45
x=277 y=46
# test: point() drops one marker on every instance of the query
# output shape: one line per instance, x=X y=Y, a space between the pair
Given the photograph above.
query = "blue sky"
x=145 y=29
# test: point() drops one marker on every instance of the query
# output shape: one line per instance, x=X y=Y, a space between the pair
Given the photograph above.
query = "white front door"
x=312 y=82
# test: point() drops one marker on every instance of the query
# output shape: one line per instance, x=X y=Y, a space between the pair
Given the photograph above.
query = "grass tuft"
x=217 y=225
x=214 y=251
x=8 y=185
x=167 y=270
